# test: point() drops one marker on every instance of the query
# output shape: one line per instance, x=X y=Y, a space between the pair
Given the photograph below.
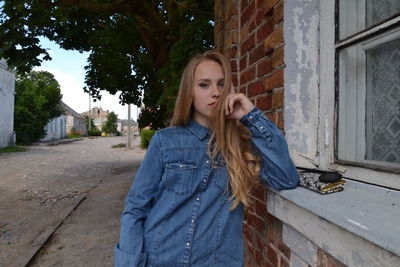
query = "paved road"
x=72 y=193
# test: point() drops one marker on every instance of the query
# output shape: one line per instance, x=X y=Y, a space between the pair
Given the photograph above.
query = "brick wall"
x=250 y=33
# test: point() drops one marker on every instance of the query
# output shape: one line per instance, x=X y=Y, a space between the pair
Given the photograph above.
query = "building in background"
x=327 y=73
x=98 y=115
x=55 y=129
x=7 y=92
x=124 y=127
x=74 y=120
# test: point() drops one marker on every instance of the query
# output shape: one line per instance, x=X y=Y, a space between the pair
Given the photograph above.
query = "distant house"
x=59 y=127
x=98 y=115
x=74 y=120
x=123 y=127
x=55 y=129
x=7 y=91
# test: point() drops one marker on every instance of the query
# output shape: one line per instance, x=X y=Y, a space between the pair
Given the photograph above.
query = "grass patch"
x=12 y=149
x=119 y=145
x=73 y=136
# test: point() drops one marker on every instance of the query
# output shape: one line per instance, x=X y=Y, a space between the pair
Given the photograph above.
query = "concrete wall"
x=7 y=90
x=77 y=123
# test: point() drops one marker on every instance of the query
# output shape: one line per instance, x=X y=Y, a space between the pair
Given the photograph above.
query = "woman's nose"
x=216 y=92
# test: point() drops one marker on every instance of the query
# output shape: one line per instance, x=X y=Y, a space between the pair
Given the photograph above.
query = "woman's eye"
x=204 y=85
x=221 y=84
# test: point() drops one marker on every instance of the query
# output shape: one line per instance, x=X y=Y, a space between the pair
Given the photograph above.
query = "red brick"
x=280 y=123
x=264 y=102
x=277 y=100
x=248 y=11
x=247 y=75
x=274 y=81
x=252 y=24
x=266 y=5
x=248 y=232
x=259 y=192
x=275 y=38
x=270 y=219
x=260 y=209
x=256 y=222
x=244 y=32
x=233 y=9
x=264 y=31
x=271 y=116
x=264 y=67
x=234 y=67
x=277 y=57
x=243 y=63
x=274 y=233
x=256 y=54
x=284 y=249
x=248 y=44
x=255 y=89
x=278 y=14
x=326 y=260
x=272 y=256
x=244 y=3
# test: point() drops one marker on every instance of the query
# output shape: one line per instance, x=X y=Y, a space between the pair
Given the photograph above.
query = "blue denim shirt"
x=177 y=210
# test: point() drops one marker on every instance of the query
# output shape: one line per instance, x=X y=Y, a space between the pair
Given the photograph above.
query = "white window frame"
x=327 y=135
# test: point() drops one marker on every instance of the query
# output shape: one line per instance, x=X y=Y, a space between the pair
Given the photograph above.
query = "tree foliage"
x=111 y=126
x=37 y=101
x=138 y=48
x=92 y=126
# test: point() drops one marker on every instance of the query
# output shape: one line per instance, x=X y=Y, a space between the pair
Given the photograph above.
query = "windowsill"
x=368 y=211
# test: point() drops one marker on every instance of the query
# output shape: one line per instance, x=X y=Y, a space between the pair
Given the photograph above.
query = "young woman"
x=185 y=206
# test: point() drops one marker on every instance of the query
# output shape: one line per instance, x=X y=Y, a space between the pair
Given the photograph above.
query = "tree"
x=137 y=48
x=37 y=101
x=92 y=126
x=110 y=126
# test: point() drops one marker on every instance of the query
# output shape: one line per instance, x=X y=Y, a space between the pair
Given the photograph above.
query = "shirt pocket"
x=179 y=177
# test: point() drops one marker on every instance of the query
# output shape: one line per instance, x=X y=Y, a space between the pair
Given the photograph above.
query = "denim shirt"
x=177 y=210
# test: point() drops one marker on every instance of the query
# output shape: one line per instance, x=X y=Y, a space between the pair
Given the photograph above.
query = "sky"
x=67 y=68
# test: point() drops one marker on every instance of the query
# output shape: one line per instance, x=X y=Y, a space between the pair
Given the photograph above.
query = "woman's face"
x=208 y=83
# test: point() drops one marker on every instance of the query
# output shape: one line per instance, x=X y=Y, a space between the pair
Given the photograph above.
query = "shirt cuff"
x=251 y=117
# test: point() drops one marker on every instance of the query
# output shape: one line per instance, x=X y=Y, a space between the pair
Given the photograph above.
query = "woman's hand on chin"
x=237 y=105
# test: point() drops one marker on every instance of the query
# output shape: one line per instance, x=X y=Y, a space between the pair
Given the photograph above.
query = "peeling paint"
x=301 y=26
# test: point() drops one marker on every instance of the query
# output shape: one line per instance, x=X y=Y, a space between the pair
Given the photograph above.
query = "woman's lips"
x=211 y=104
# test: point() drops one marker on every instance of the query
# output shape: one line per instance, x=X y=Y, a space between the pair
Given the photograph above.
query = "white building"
x=56 y=129
x=7 y=91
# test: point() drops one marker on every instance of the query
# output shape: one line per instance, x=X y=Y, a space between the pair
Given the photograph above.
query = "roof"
x=70 y=111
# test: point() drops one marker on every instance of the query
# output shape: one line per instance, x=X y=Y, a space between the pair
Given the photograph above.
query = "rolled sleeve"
x=277 y=168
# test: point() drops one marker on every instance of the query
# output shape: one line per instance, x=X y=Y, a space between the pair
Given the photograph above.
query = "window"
x=368 y=52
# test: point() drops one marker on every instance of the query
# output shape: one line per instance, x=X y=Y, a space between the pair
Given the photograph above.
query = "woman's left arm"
x=277 y=168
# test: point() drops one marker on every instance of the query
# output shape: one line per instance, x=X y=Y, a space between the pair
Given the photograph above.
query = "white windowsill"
x=368 y=211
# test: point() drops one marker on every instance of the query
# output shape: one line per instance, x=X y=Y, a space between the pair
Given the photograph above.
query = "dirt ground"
x=60 y=205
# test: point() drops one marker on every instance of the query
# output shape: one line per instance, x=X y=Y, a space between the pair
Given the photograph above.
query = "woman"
x=185 y=207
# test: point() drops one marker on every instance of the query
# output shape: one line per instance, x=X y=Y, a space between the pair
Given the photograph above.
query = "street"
x=60 y=205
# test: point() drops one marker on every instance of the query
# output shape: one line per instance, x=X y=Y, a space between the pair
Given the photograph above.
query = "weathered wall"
x=7 y=89
x=55 y=129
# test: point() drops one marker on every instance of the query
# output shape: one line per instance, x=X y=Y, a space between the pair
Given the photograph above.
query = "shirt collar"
x=197 y=129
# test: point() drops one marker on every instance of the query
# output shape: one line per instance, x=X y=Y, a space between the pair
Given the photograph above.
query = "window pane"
x=380 y=10
x=383 y=102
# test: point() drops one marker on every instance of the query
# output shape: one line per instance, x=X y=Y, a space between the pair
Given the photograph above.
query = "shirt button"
x=198 y=198
x=187 y=244
x=207 y=161
x=261 y=127
x=181 y=166
x=205 y=180
x=192 y=221
x=250 y=117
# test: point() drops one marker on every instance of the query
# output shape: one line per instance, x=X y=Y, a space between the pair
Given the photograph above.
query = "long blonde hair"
x=229 y=138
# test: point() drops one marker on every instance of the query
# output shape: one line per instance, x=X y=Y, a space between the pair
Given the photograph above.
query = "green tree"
x=110 y=126
x=92 y=126
x=137 y=48
x=37 y=101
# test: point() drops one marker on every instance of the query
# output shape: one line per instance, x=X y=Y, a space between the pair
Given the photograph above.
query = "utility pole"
x=90 y=124
x=129 y=126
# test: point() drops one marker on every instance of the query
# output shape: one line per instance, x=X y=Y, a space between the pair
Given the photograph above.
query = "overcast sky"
x=67 y=67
